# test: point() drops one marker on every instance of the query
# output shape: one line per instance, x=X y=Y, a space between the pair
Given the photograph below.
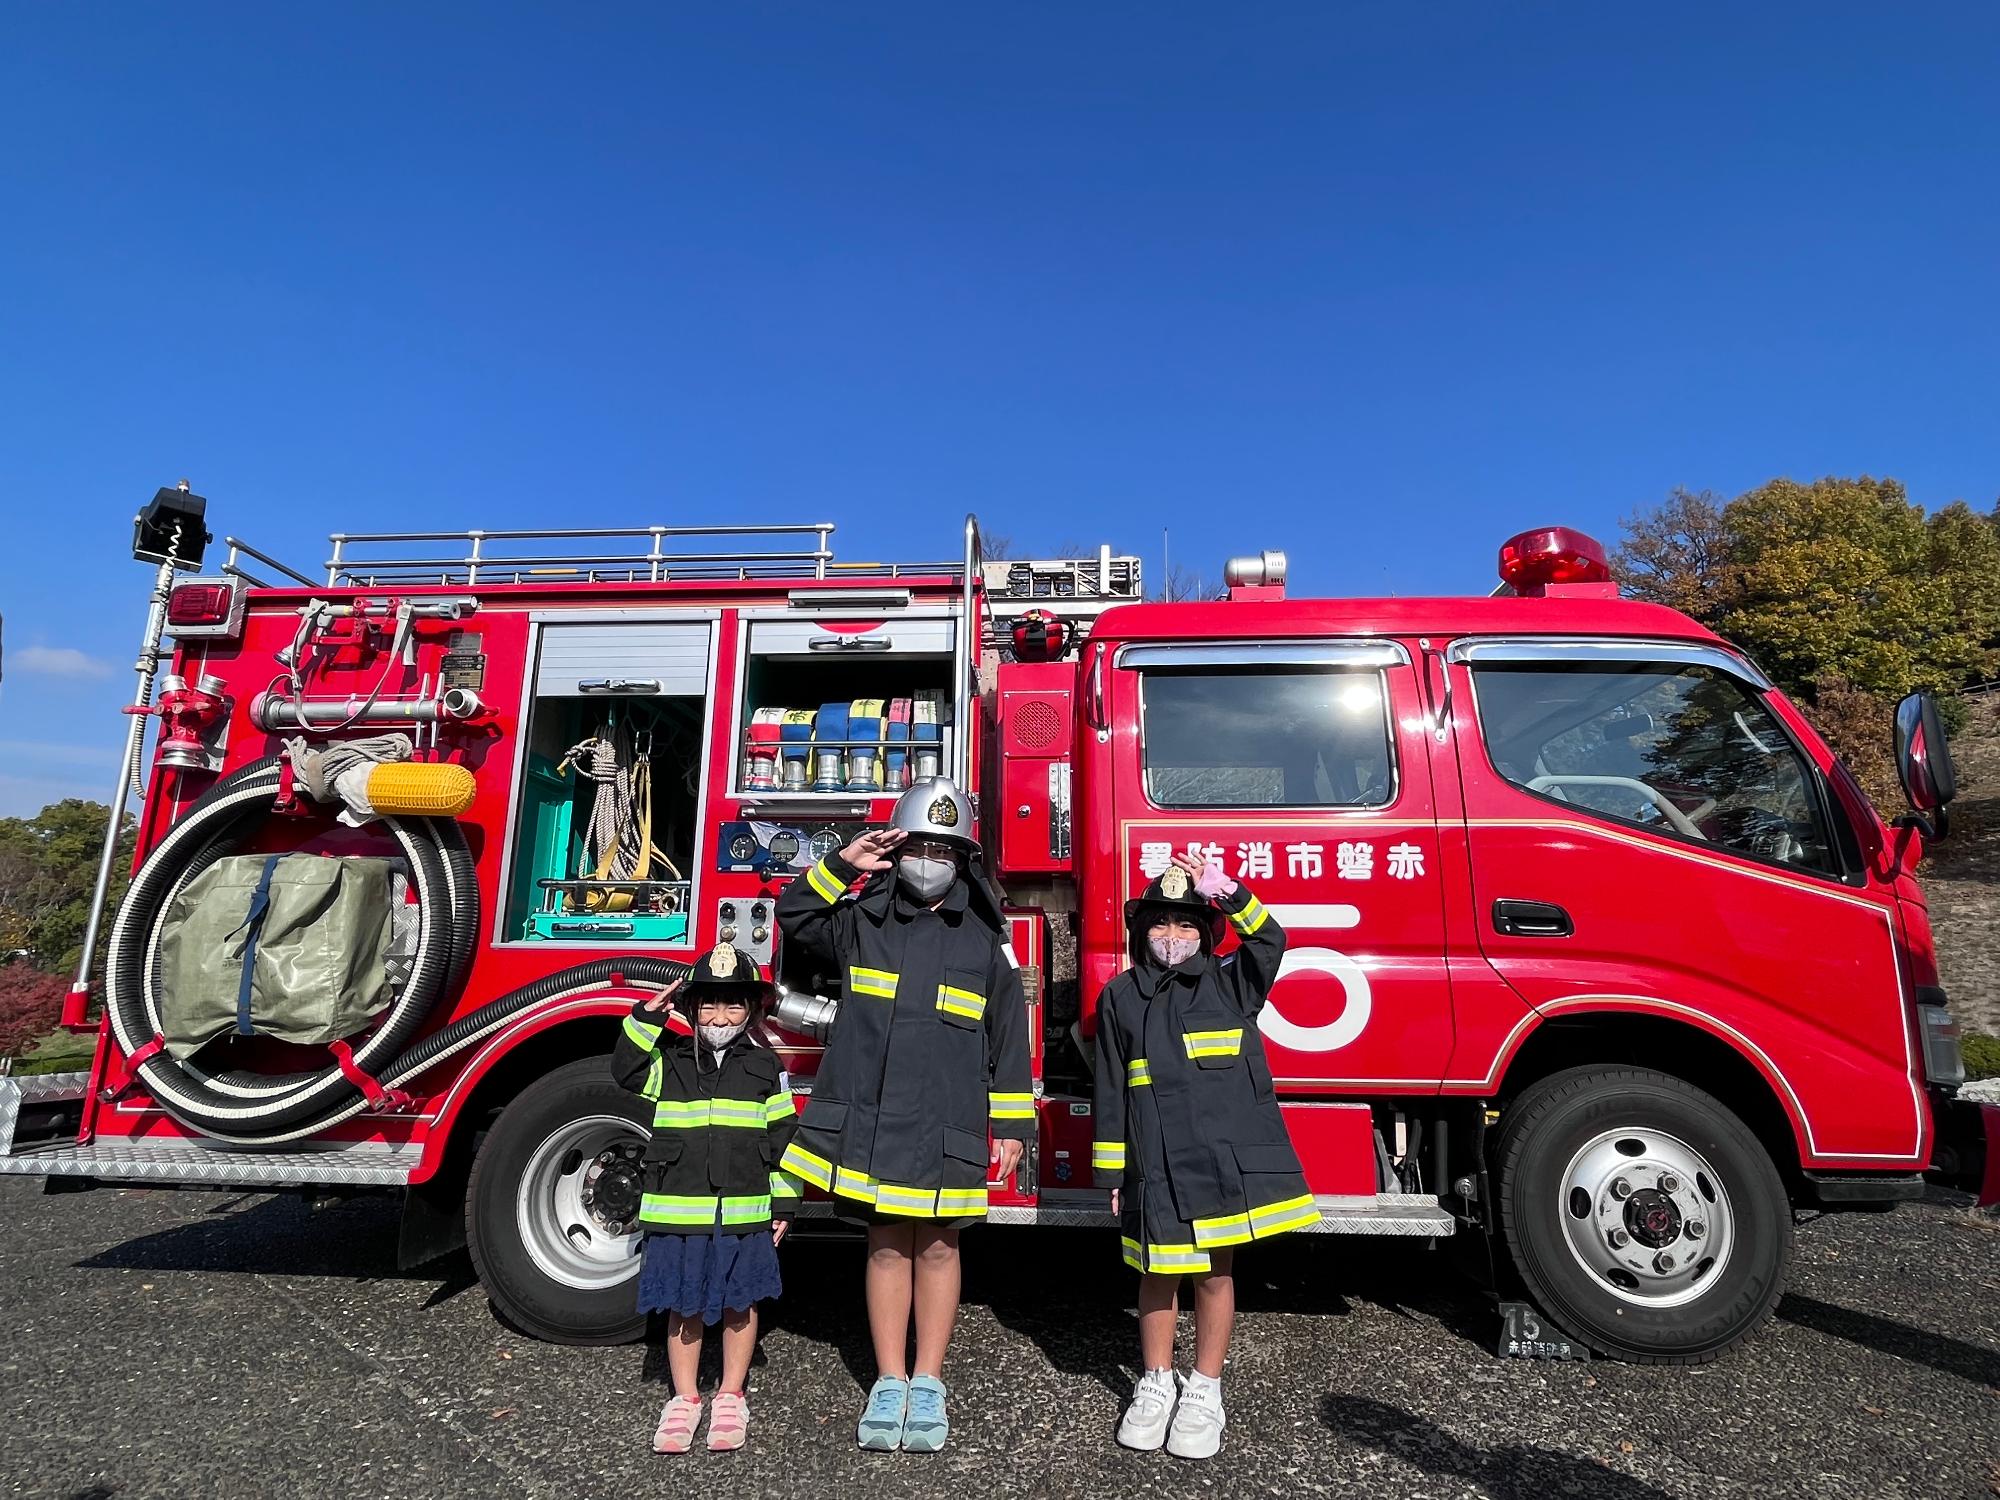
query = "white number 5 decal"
x=1344 y=1027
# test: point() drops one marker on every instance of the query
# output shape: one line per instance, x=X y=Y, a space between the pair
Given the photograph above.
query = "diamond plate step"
x=197 y=1163
x=1409 y=1215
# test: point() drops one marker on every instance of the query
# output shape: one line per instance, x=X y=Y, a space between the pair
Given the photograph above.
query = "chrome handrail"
x=650 y=565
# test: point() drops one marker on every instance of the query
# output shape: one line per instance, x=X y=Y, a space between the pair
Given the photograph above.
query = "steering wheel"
x=1681 y=822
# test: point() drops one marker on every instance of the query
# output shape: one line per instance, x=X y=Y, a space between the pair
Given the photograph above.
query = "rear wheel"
x=552 y=1209
x=1644 y=1217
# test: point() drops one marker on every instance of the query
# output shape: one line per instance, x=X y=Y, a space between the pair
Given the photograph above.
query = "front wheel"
x=552 y=1209
x=1644 y=1217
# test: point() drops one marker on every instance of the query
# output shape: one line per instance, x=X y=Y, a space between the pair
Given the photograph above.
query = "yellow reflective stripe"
x=1137 y=1073
x=674 y=1208
x=880 y=982
x=1011 y=1106
x=1274 y=1218
x=778 y=1108
x=784 y=1185
x=852 y=1184
x=1224 y=1229
x=747 y=1209
x=646 y=1036
x=957 y=1202
x=1248 y=920
x=892 y=1199
x=1107 y=1156
x=961 y=1002
x=655 y=1076
x=695 y=1114
x=1213 y=1043
x=1131 y=1253
x=807 y=1166
x=825 y=882
x=1166 y=1258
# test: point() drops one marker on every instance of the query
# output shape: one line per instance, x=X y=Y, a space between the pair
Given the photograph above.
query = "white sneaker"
x=1145 y=1423
x=1198 y=1420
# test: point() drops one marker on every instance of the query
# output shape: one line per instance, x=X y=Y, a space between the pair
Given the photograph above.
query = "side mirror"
x=1923 y=757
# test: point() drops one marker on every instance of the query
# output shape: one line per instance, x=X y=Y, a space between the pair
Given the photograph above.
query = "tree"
x=1677 y=555
x=48 y=865
x=1179 y=584
x=29 y=1002
x=1846 y=577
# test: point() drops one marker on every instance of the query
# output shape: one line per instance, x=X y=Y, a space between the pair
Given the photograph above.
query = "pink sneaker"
x=678 y=1419
x=728 y=1422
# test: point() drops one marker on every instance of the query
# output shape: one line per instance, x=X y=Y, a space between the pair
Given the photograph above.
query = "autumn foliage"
x=29 y=1000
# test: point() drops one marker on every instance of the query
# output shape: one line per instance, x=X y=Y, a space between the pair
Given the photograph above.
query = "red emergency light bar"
x=1535 y=560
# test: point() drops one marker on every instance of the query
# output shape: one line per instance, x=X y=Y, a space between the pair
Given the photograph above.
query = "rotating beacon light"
x=1533 y=562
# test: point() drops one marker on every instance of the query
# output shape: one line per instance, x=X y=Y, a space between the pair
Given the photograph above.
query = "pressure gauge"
x=824 y=843
x=784 y=846
x=743 y=848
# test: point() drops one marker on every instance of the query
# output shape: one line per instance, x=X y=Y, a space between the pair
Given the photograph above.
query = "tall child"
x=1188 y=1126
x=928 y=1053
x=714 y=1210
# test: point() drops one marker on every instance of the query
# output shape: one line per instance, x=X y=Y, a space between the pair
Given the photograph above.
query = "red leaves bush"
x=29 y=1001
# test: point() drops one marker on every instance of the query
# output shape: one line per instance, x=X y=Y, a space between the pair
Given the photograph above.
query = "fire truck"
x=1598 y=959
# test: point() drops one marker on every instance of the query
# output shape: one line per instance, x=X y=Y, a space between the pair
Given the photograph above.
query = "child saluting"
x=714 y=1210
x=1189 y=1129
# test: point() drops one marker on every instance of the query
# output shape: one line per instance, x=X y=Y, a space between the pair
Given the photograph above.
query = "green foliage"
x=1982 y=1056
x=48 y=864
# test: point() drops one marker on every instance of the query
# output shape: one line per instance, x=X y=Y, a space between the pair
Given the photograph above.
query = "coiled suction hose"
x=266 y=1109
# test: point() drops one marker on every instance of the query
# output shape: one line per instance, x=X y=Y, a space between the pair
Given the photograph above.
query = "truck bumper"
x=1967 y=1153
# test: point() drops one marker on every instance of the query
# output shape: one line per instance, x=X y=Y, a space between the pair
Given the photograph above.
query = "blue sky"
x=1378 y=285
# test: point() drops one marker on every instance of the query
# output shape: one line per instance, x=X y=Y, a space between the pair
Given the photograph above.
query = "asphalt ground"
x=197 y=1344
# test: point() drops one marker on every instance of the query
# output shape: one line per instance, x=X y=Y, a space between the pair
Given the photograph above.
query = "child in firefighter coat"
x=715 y=1204
x=1188 y=1131
x=928 y=1053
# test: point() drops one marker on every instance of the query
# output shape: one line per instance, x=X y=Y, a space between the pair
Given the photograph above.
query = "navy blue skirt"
x=701 y=1275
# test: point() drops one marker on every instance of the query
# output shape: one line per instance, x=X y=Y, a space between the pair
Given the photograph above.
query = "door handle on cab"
x=1531 y=919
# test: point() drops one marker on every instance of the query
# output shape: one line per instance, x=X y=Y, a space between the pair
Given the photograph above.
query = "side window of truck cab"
x=1684 y=748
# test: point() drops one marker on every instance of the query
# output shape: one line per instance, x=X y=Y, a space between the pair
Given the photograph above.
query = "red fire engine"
x=1597 y=953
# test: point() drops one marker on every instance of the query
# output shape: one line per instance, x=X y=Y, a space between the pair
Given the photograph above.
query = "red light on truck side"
x=1549 y=555
x=205 y=607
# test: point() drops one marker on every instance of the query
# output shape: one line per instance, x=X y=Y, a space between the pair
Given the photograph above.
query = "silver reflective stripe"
x=1579 y=651
x=1325 y=653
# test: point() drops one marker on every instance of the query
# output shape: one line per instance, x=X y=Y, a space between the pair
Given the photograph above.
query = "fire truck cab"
x=1595 y=951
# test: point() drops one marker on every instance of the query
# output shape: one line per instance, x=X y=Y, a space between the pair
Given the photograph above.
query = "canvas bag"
x=319 y=932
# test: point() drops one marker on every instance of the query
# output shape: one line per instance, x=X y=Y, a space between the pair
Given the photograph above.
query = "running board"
x=186 y=1163
x=1406 y=1215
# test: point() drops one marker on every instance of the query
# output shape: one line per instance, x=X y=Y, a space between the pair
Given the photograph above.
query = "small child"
x=1188 y=1125
x=714 y=1210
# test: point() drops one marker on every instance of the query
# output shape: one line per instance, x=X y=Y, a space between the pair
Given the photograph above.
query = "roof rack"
x=592 y=555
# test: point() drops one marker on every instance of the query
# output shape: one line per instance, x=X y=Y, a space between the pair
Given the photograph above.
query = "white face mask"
x=927 y=879
x=1174 y=950
x=721 y=1035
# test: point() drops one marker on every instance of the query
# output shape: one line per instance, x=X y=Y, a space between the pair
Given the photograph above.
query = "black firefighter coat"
x=1187 y=1121
x=929 y=1050
x=719 y=1127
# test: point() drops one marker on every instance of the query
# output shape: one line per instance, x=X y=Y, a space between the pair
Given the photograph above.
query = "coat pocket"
x=665 y=1150
x=965 y=1145
x=1219 y=1048
x=1271 y=1156
x=825 y=1115
x=961 y=999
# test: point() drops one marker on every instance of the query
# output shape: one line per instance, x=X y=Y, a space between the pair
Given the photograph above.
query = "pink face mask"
x=1174 y=950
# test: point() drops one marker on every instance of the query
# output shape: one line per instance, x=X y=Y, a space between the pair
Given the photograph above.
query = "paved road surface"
x=195 y=1345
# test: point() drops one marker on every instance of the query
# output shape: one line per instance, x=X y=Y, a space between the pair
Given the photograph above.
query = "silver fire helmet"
x=934 y=809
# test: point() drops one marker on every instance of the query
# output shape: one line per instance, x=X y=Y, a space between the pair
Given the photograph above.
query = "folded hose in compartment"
x=258 y=1108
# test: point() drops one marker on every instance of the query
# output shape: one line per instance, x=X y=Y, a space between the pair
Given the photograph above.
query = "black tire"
x=522 y=1291
x=1543 y=1133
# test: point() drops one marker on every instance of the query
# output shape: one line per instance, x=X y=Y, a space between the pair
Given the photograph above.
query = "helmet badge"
x=1174 y=884
x=722 y=962
x=944 y=813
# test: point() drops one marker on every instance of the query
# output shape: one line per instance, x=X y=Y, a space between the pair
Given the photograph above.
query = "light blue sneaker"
x=926 y=1427
x=881 y=1429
